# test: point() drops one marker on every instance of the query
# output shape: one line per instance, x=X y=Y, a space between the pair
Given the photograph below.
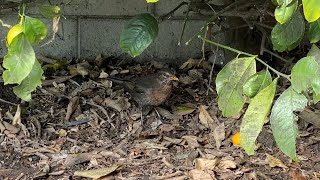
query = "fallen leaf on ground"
x=199 y=175
x=119 y=104
x=97 y=173
x=274 y=162
x=73 y=159
x=227 y=164
x=192 y=141
x=219 y=134
x=205 y=164
x=205 y=118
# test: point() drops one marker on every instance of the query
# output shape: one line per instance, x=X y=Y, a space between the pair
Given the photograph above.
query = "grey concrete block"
x=163 y=7
x=106 y=7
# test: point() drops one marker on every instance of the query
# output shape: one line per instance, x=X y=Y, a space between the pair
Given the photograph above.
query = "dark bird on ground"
x=150 y=90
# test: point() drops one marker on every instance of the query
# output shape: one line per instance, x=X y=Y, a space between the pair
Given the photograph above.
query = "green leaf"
x=229 y=84
x=30 y=83
x=19 y=60
x=283 y=120
x=285 y=11
x=311 y=9
x=314 y=31
x=315 y=51
x=316 y=90
x=152 y=1
x=256 y=83
x=138 y=34
x=34 y=29
x=49 y=11
x=287 y=36
x=255 y=117
x=304 y=73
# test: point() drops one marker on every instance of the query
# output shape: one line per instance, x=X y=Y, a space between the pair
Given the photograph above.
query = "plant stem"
x=247 y=54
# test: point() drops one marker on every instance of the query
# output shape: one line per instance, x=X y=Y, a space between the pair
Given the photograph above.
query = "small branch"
x=184 y=24
x=169 y=14
x=247 y=54
x=4 y=24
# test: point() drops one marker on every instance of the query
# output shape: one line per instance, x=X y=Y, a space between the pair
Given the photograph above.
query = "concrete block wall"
x=93 y=27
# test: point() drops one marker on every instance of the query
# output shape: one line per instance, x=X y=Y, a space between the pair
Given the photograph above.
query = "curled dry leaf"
x=73 y=159
x=227 y=164
x=165 y=113
x=72 y=106
x=205 y=118
x=205 y=164
x=219 y=134
x=192 y=141
x=274 y=162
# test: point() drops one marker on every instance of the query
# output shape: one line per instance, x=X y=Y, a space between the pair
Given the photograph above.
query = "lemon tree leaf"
x=255 y=117
x=283 y=120
x=30 y=83
x=152 y=1
x=49 y=11
x=304 y=73
x=229 y=84
x=34 y=29
x=19 y=60
x=283 y=12
x=314 y=51
x=314 y=31
x=311 y=9
x=256 y=83
x=287 y=36
x=138 y=34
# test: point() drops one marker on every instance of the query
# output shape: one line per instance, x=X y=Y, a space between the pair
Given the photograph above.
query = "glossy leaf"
x=314 y=51
x=314 y=31
x=152 y=1
x=49 y=11
x=256 y=83
x=283 y=120
x=19 y=60
x=255 y=117
x=34 y=29
x=287 y=36
x=284 y=12
x=138 y=34
x=311 y=9
x=229 y=84
x=304 y=73
x=30 y=83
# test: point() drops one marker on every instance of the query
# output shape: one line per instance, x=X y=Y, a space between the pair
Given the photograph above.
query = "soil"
x=85 y=123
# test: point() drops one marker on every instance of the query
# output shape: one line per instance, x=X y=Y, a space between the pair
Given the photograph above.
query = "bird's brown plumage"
x=151 y=90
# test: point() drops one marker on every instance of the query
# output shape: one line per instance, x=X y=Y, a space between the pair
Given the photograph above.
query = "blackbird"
x=150 y=90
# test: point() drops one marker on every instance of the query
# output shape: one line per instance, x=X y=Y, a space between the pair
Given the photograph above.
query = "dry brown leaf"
x=17 y=117
x=205 y=118
x=119 y=104
x=73 y=159
x=72 y=106
x=227 y=164
x=192 y=141
x=297 y=175
x=274 y=162
x=96 y=173
x=199 y=175
x=219 y=134
x=205 y=164
x=165 y=113
x=9 y=127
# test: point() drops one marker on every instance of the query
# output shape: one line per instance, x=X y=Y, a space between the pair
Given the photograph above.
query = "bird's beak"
x=174 y=78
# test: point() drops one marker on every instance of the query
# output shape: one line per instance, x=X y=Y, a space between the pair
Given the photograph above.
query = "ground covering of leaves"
x=80 y=125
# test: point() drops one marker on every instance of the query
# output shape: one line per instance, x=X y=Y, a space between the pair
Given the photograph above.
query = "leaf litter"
x=81 y=125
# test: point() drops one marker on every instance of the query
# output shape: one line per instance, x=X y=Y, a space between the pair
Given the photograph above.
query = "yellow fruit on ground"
x=236 y=138
x=13 y=32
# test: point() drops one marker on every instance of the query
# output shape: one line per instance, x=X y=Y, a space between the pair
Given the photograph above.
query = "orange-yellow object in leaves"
x=236 y=138
x=13 y=32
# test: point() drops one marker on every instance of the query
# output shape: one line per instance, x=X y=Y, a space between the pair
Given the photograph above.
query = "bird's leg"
x=141 y=116
x=159 y=116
